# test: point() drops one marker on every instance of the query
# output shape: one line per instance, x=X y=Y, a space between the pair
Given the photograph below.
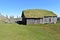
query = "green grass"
x=37 y=13
x=30 y=32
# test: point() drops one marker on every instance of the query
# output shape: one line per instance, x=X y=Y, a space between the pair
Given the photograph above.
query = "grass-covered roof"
x=37 y=13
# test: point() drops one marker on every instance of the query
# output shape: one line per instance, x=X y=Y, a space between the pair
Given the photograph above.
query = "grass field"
x=30 y=32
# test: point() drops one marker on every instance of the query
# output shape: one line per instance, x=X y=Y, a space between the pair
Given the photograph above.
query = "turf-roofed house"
x=38 y=16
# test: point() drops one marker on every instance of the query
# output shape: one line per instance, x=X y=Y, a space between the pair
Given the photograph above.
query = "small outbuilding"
x=37 y=16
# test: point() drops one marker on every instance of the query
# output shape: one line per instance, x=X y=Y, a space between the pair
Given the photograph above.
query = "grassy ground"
x=30 y=32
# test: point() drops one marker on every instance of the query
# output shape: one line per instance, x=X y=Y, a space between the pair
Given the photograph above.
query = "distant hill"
x=2 y=18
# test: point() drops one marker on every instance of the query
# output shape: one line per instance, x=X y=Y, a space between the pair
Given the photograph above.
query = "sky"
x=15 y=7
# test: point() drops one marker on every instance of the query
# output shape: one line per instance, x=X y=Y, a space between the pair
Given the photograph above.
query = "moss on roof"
x=37 y=13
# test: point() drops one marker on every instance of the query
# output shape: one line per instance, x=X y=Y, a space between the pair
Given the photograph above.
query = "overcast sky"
x=15 y=7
